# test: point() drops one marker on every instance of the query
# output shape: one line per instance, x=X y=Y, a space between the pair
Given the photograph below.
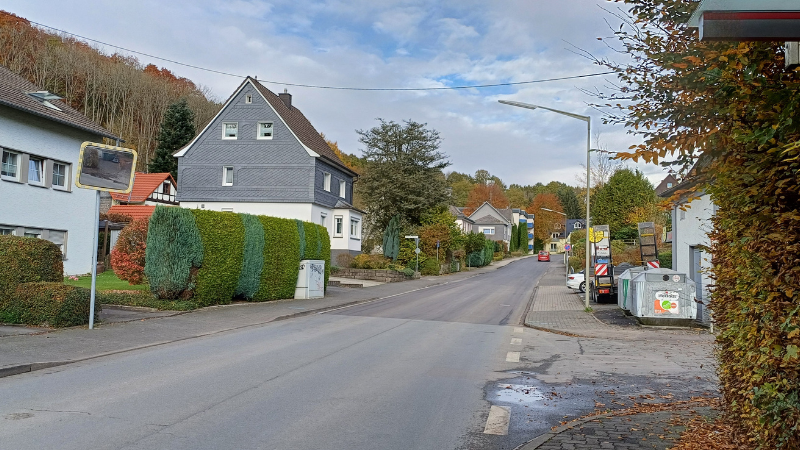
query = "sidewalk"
x=20 y=353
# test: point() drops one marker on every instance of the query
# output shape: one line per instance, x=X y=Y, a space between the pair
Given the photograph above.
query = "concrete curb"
x=32 y=367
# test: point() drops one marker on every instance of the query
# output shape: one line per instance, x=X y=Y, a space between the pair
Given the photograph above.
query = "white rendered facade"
x=690 y=230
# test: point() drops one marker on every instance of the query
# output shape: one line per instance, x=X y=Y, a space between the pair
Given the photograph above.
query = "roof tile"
x=143 y=185
x=134 y=211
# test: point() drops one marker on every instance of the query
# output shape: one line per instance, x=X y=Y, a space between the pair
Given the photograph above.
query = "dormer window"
x=44 y=97
x=265 y=130
x=230 y=130
x=577 y=226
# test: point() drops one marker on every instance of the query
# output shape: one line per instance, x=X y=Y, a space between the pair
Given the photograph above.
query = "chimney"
x=286 y=97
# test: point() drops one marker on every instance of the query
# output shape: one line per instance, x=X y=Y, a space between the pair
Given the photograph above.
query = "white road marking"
x=519 y=330
x=497 y=422
x=512 y=357
x=505 y=305
x=516 y=341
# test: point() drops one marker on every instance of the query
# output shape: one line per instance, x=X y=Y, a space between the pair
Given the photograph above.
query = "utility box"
x=663 y=297
x=624 y=287
x=310 y=279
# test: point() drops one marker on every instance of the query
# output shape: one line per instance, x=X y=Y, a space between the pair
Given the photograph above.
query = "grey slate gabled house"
x=260 y=155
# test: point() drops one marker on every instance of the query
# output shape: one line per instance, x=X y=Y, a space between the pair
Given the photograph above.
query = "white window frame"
x=6 y=230
x=225 y=128
x=577 y=226
x=338 y=226
x=553 y=247
x=225 y=171
x=65 y=186
x=62 y=246
x=32 y=232
x=354 y=231
x=343 y=189
x=227 y=210
x=41 y=163
x=17 y=162
x=326 y=181
x=271 y=127
x=488 y=230
x=248 y=98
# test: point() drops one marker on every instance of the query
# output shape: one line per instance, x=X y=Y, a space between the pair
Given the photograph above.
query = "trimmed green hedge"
x=28 y=260
x=50 y=304
x=144 y=298
x=174 y=252
x=253 y=262
x=223 y=248
x=281 y=258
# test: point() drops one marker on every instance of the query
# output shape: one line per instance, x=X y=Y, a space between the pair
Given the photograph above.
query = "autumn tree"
x=403 y=172
x=177 y=129
x=613 y=204
x=569 y=201
x=546 y=222
x=460 y=185
x=733 y=106
x=482 y=193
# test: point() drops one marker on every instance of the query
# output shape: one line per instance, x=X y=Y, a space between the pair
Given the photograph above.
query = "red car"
x=544 y=256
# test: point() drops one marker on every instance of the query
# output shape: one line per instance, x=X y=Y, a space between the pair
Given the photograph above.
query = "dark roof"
x=507 y=213
x=341 y=204
x=456 y=211
x=692 y=179
x=301 y=127
x=489 y=219
x=667 y=183
x=14 y=93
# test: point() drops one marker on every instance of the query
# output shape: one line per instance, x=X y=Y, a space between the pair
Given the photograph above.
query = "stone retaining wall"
x=384 y=276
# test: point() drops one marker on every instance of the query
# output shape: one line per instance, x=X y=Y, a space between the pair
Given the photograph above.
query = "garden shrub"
x=281 y=258
x=52 y=304
x=665 y=259
x=365 y=261
x=345 y=260
x=145 y=299
x=301 y=231
x=128 y=255
x=488 y=252
x=222 y=234
x=325 y=252
x=409 y=272
x=253 y=259
x=27 y=260
x=430 y=267
x=174 y=252
x=516 y=254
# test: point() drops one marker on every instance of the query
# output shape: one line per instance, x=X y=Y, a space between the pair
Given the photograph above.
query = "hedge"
x=253 y=259
x=174 y=252
x=50 y=304
x=27 y=260
x=223 y=248
x=281 y=258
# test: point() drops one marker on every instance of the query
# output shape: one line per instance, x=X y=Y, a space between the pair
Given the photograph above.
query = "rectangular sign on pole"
x=106 y=168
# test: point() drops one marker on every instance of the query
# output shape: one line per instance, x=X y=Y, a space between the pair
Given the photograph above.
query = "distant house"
x=523 y=219
x=667 y=183
x=690 y=228
x=40 y=140
x=559 y=237
x=261 y=155
x=149 y=190
x=494 y=223
x=466 y=224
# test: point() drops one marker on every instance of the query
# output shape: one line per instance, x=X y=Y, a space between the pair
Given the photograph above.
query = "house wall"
x=273 y=170
x=329 y=198
x=690 y=228
x=30 y=206
x=502 y=231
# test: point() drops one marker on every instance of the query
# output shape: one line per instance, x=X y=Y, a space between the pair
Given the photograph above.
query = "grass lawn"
x=106 y=281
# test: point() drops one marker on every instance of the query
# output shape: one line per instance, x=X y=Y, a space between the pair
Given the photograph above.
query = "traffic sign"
x=601 y=269
x=567 y=248
x=417 y=251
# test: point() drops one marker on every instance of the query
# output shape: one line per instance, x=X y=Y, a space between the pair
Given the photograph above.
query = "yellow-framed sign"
x=106 y=168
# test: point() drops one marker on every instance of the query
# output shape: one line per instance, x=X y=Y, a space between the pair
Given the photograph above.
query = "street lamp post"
x=566 y=258
x=588 y=121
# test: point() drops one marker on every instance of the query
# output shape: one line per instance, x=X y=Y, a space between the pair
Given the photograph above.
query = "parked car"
x=544 y=256
x=576 y=281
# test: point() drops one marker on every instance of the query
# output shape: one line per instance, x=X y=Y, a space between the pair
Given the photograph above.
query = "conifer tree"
x=177 y=129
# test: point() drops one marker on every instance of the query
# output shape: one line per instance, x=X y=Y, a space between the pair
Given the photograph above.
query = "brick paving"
x=556 y=307
x=655 y=430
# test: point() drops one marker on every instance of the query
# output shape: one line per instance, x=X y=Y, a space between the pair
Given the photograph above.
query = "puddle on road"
x=518 y=393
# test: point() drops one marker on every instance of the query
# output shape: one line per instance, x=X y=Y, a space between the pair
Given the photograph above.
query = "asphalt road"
x=406 y=372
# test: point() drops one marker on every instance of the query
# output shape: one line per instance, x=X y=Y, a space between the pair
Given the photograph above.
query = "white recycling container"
x=663 y=297
x=310 y=279
x=624 y=287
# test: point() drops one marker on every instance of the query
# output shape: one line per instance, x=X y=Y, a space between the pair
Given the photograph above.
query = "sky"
x=394 y=44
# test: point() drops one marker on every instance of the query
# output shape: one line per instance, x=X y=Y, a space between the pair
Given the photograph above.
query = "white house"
x=40 y=139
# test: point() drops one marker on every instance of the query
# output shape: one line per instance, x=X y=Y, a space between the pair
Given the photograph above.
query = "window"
x=32 y=232
x=166 y=188
x=354 y=229
x=5 y=231
x=59 y=176
x=342 y=189
x=227 y=176
x=322 y=218
x=265 y=130
x=230 y=130
x=36 y=171
x=338 y=226
x=227 y=210
x=326 y=181
x=577 y=226
x=669 y=185
x=10 y=165
x=60 y=239
x=488 y=230
x=555 y=235
x=248 y=99
x=553 y=247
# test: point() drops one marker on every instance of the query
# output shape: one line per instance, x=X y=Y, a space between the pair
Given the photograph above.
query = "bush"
x=665 y=259
x=116 y=217
x=488 y=252
x=516 y=254
x=345 y=260
x=364 y=261
x=431 y=267
x=28 y=260
x=47 y=304
x=128 y=255
x=281 y=259
x=174 y=252
x=253 y=259
x=222 y=234
x=409 y=272
x=145 y=299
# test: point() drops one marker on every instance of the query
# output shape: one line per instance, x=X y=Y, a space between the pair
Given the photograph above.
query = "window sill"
x=355 y=238
x=229 y=139
x=61 y=189
x=263 y=138
x=13 y=180
x=338 y=236
x=37 y=185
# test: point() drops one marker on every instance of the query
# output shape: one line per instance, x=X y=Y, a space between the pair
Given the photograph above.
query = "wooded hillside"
x=118 y=92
